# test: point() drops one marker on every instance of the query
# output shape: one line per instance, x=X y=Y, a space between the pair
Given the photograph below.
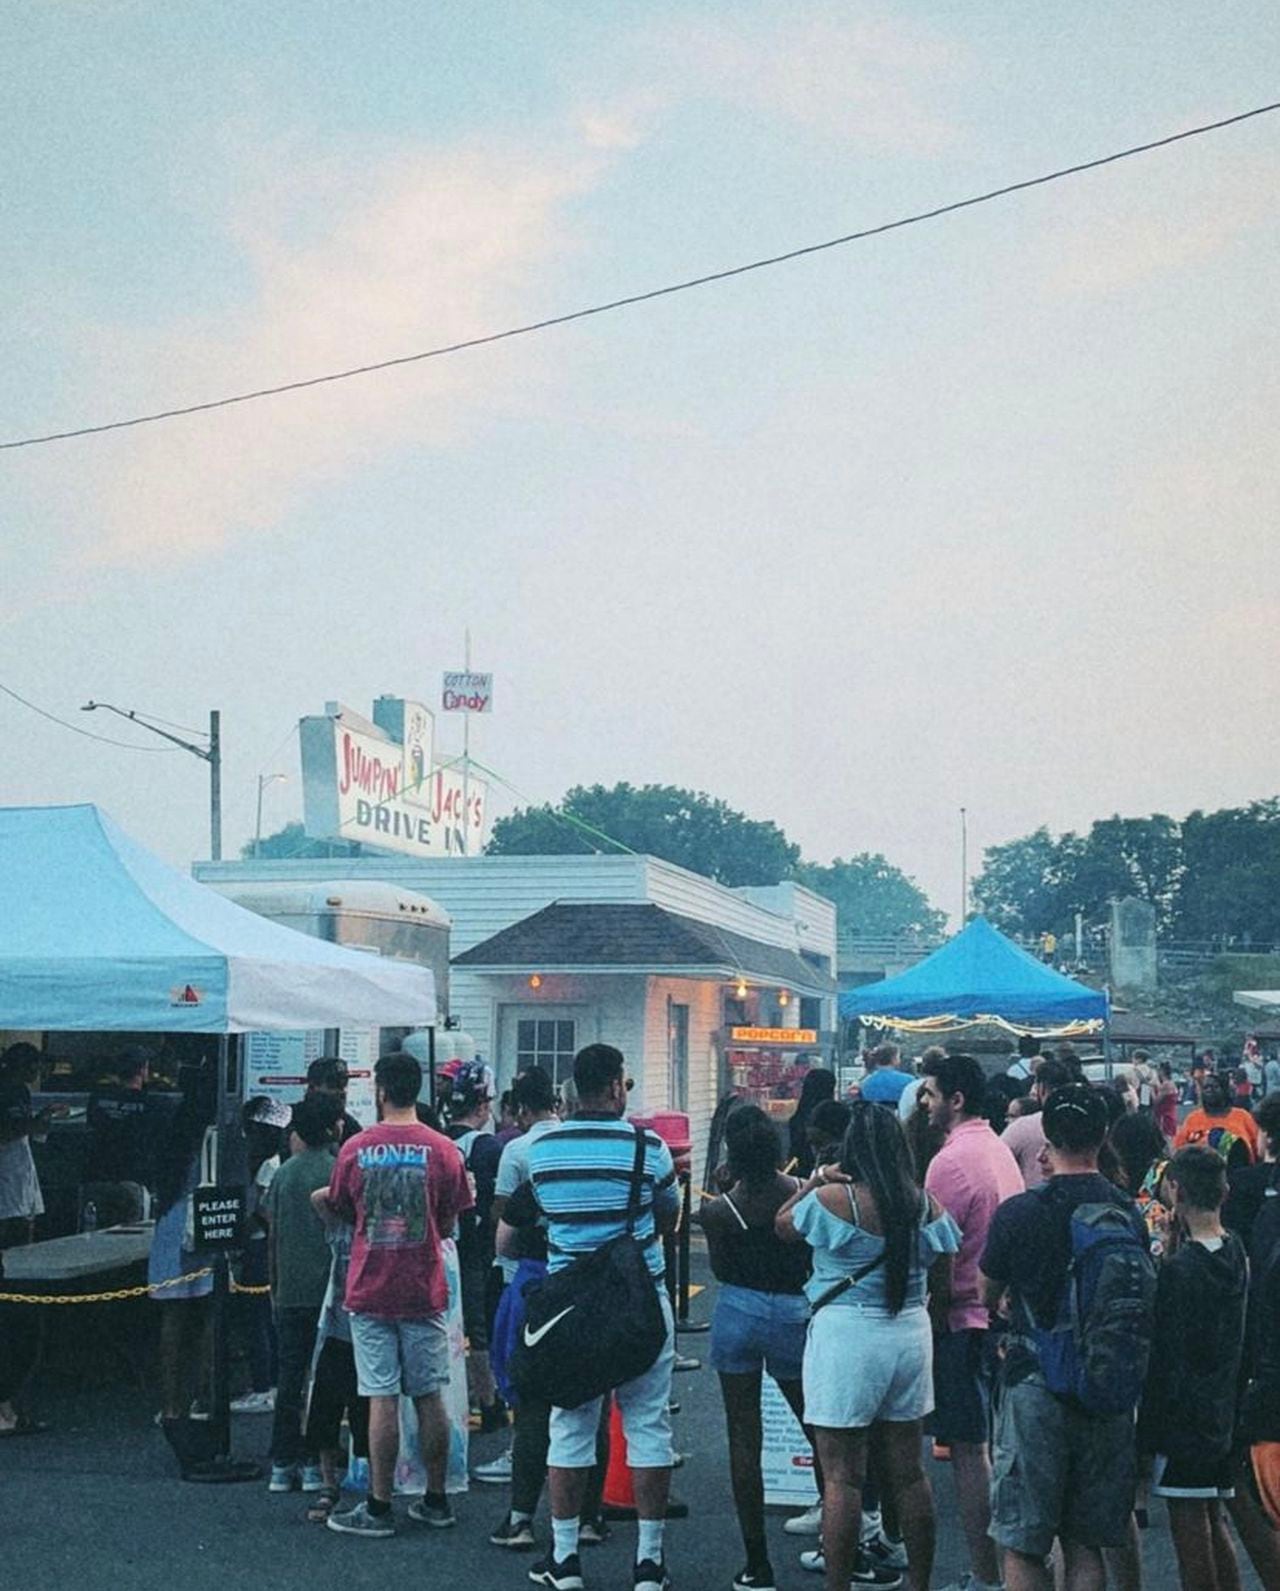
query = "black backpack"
x=594 y=1324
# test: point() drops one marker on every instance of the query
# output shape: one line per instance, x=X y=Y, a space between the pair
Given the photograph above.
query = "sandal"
x=323 y=1504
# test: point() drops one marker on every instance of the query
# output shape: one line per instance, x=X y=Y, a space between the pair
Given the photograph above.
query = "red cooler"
x=672 y=1126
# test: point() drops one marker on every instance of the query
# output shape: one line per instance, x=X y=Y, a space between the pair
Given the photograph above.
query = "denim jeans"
x=296 y=1341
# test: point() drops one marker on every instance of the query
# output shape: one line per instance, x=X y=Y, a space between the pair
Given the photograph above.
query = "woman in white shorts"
x=868 y=1358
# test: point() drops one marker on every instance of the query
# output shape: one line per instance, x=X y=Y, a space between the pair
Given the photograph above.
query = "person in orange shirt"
x=1218 y=1124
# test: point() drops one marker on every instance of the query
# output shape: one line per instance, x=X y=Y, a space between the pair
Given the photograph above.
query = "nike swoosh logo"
x=533 y=1338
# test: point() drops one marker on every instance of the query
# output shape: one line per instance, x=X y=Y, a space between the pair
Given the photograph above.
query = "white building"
x=702 y=987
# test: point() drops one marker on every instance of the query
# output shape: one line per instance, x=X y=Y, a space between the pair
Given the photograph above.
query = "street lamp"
x=264 y=779
x=212 y=754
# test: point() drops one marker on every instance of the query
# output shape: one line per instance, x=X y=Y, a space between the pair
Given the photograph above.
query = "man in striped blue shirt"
x=581 y=1175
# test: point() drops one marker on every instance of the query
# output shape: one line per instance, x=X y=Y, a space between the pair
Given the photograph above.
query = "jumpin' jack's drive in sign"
x=381 y=782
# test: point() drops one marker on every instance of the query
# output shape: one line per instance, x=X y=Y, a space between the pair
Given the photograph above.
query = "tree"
x=682 y=826
x=1018 y=888
x=873 y=896
x=293 y=842
x=1118 y=857
x=1230 y=884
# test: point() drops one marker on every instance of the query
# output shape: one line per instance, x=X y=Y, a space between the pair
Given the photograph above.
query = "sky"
x=980 y=513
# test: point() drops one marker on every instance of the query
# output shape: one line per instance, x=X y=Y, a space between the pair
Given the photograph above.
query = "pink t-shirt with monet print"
x=403 y=1187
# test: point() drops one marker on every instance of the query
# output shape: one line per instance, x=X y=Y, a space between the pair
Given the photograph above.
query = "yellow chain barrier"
x=119 y=1293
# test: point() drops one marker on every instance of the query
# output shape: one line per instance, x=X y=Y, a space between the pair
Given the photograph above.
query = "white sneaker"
x=495 y=1473
x=891 y=1554
x=808 y=1523
x=255 y=1403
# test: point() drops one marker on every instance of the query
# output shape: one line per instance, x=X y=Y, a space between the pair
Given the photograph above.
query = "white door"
x=543 y=1035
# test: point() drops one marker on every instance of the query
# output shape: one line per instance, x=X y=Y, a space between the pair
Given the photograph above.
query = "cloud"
x=1155 y=216
x=875 y=81
x=340 y=257
x=420 y=248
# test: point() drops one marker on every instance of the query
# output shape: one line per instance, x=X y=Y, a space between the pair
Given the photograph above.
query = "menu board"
x=276 y=1064
x=358 y=1047
x=786 y=1458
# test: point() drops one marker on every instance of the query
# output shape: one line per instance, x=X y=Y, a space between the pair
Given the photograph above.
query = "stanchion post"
x=684 y=1264
x=682 y=1253
x=670 y=1262
x=220 y=1402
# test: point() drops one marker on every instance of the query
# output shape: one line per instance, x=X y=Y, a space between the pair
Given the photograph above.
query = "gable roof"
x=637 y=937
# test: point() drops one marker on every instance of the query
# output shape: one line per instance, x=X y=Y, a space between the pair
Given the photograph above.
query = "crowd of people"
x=1073 y=1295
x=1082 y=1309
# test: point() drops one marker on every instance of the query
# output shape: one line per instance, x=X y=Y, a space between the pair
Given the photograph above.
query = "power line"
x=107 y=740
x=645 y=297
x=155 y=718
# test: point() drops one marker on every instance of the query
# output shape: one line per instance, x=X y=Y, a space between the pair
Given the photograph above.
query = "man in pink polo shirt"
x=970 y=1176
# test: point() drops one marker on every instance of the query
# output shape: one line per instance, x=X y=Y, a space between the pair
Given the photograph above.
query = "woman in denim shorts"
x=760 y=1315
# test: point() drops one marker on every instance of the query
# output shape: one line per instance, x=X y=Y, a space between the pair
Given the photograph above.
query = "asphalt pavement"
x=95 y=1503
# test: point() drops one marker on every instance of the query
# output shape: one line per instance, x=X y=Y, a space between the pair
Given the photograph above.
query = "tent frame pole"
x=228 y=1173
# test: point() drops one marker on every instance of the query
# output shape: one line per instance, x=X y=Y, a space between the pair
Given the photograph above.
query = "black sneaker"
x=566 y=1576
x=514 y=1533
x=759 y=1577
x=650 y=1576
x=866 y=1572
x=440 y=1516
x=593 y=1533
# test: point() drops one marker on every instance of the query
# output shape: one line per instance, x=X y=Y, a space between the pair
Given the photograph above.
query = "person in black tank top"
x=760 y=1316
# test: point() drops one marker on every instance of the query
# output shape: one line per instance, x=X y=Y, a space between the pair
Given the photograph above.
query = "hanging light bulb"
x=536 y=981
x=741 y=990
x=784 y=999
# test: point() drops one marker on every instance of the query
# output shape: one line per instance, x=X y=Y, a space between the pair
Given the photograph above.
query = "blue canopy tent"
x=979 y=976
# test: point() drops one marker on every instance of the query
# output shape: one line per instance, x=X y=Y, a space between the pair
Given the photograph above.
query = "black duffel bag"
x=594 y=1324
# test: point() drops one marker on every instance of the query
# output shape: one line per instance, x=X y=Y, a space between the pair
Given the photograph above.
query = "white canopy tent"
x=97 y=933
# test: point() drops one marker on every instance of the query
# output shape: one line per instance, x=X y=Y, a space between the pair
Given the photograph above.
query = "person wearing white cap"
x=265 y=1121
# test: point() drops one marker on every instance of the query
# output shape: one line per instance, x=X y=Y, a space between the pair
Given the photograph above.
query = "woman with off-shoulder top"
x=876 y=1239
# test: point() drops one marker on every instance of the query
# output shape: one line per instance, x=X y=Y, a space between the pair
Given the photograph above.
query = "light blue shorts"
x=753 y=1331
x=395 y=1356
x=863 y=1365
x=644 y=1406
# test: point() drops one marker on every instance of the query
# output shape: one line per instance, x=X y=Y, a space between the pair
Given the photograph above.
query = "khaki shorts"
x=1057 y=1471
x=400 y=1356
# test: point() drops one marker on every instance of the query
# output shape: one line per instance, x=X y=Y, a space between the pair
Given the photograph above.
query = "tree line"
x=708 y=836
x=1211 y=876
x=691 y=829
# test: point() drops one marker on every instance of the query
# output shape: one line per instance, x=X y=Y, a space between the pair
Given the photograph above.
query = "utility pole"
x=964 y=867
x=215 y=785
x=212 y=754
x=264 y=779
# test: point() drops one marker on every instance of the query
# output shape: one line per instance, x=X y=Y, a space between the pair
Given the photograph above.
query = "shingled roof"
x=639 y=937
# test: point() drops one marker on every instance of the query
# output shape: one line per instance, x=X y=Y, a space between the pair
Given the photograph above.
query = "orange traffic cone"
x=619 y=1497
